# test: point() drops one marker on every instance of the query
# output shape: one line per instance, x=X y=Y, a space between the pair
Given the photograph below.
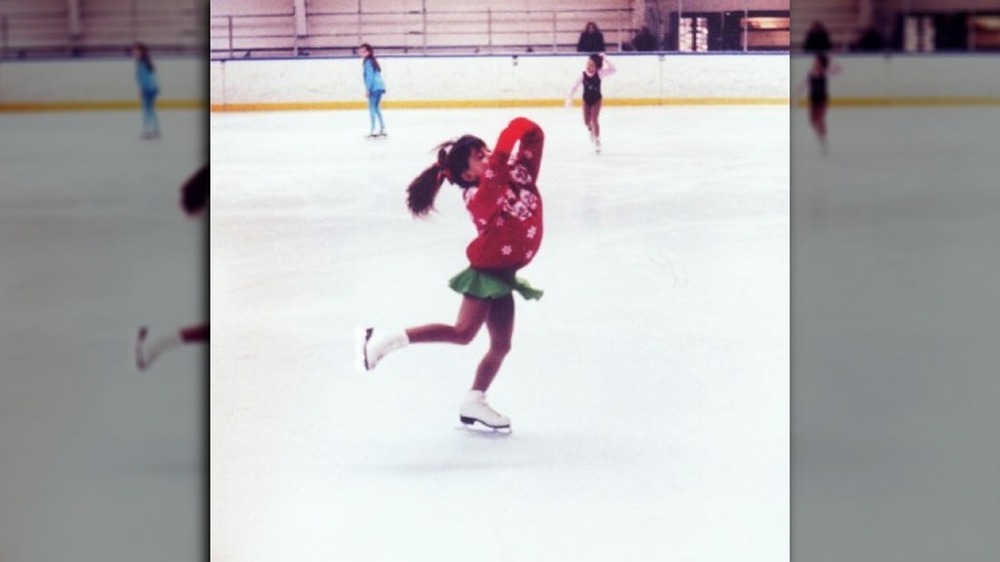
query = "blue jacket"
x=146 y=78
x=373 y=78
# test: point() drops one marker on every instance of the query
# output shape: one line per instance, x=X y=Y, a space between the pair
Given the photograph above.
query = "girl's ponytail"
x=452 y=162
x=423 y=190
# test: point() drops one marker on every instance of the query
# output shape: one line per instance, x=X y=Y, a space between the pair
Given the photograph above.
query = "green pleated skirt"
x=480 y=284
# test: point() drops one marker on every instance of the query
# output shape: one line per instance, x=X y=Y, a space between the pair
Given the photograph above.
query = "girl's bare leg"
x=497 y=314
x=500 y=323
x=194 y=334
x=471 y=316
x=817 y=117
x=595 y=124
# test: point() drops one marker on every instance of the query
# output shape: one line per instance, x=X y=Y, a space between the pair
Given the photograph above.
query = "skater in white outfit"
x=148 y=347
x=598 y=67
x=502 y=196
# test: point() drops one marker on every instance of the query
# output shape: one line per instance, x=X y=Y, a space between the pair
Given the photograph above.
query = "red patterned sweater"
x=506 y=207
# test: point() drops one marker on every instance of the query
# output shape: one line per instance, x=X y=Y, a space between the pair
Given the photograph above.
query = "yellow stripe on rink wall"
x=916 y=101
x=473 y=104
x=96 y=105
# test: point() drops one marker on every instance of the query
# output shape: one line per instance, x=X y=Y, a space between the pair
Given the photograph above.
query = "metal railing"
x=48 y=33
x=947 y=28
x=489 y=31
x=227 y=32
x=36 y=32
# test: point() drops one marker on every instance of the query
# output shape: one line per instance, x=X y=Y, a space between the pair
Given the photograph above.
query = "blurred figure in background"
x=644 y=40
x=149 y=88
x=816 y=83
x=591 y=40
x=817 y=39
x=869 y=40
x=194 y=200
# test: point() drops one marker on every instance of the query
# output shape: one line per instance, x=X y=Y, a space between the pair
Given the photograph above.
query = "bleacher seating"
x=447 y=26
x=843 y=19
x=33 y=28
x=34 y=24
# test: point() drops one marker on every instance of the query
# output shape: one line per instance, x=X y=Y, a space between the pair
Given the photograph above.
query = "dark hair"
x=194 y=192
x=452 y=162
x=144 y=55
x=371 y=57
x=591 y=27
x=598 y=60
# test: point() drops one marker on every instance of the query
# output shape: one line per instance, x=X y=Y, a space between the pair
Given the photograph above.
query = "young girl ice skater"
x=816 y=83
x=502 y=196
x=598 y=67
x=149 y=88
x=194 y=200
x=374 y=89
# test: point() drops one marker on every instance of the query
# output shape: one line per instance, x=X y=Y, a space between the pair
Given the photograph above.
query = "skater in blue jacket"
x=149 y=88
x=374 y=88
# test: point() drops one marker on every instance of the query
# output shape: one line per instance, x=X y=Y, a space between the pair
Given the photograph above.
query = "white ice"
x=99 y=461
x=894 y=321
x=649 y=388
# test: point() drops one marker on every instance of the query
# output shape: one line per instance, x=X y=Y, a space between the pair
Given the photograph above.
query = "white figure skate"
x=148 y=349
x=372 y=345
x=475 y=409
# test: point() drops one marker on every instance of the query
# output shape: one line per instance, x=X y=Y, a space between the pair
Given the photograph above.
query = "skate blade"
x=140 y=362
x=361 y=337
x=483 y=432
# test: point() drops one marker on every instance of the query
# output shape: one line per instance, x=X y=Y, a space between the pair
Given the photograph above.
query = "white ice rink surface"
x=97 y=461
x=649 y=388
x=895 y=385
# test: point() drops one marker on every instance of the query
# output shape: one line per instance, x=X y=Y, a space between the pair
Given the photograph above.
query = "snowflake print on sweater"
x=506 y=207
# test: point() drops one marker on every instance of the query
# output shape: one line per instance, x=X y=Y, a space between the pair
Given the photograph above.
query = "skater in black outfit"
x=598 y=67
x=816 y=83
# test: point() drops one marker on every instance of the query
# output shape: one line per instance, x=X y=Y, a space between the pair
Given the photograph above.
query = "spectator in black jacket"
x=870 y=40
x=817 y=39
x=644 y=40
x=591 y=40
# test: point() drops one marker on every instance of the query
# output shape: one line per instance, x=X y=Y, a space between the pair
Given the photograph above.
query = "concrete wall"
x=906 y=79
x=497 y=80
x=457 y=81
x=97 y=84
